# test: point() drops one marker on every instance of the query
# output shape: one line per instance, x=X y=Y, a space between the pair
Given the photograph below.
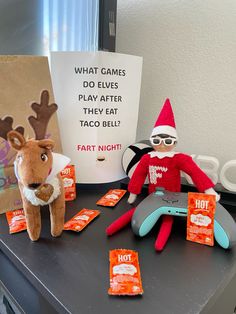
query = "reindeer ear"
x=16 y=139
x=48 y=144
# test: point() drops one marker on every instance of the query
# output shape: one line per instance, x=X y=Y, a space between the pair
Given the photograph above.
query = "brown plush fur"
x=33 y=170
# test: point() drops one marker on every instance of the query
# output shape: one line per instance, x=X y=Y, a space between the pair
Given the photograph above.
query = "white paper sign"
x=98 y=98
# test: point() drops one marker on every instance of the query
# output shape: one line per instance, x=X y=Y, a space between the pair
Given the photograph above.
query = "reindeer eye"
x=44 y=157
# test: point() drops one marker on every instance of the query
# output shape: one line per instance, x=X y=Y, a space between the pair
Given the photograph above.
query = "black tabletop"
x=72 y=272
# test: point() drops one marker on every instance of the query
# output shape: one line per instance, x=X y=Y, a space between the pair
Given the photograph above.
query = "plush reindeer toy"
x=37 y=169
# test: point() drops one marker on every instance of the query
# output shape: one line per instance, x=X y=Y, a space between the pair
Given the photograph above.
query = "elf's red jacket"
x=165 y=172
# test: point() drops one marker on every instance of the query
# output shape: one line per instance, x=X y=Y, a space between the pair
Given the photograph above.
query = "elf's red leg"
x=164 y=232
x=120 y=223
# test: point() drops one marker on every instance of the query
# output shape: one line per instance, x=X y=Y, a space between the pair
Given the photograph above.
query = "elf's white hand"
x=132 y=198
x=213 y=192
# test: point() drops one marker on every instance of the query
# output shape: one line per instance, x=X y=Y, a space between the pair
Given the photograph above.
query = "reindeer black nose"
x=33 y=185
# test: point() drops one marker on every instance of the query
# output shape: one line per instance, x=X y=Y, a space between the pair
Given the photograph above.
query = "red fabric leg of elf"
x=120 y=223
x=164 y=233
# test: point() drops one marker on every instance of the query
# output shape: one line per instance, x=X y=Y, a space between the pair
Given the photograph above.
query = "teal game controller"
x=162 y=202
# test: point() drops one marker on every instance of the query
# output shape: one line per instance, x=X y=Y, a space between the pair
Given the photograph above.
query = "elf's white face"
x=163 y=148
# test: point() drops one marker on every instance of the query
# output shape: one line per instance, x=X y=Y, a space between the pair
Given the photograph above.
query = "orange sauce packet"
x=68 y=177
x=111 y=198
x=125 y=277
x=16 y=220
x=81 y=219
x=200 y=220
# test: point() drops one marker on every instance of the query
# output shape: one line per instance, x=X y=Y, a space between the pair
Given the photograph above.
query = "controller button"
x=159 y=193
x=159 y=188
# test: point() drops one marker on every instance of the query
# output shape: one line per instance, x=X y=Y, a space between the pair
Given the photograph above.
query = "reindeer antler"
x=6 y=126
x=44 y=113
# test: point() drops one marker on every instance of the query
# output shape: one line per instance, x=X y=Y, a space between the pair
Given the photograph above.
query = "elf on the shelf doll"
x=163 y=167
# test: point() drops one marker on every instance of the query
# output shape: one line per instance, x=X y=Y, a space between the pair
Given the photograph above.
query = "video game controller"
x=162 y=202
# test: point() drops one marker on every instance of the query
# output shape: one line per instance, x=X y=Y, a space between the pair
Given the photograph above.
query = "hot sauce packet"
x=125 y=277
x=81 y=219
x=68 y=177
x=16 y=220
x=200 y=220
x=111 y=198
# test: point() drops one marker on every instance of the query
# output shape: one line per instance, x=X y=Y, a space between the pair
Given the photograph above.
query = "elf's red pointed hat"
x=165 y=123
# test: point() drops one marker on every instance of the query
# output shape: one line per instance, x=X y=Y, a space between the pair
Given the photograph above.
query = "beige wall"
x=189 y=51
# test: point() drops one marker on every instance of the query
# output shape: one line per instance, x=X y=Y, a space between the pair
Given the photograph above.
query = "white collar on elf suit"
x=162 y=155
